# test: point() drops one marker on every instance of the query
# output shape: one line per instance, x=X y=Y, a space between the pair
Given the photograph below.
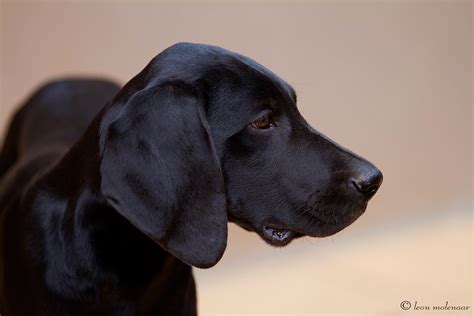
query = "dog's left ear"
x=160 y=171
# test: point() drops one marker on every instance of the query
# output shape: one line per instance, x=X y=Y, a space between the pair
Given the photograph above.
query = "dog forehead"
x=191 y=61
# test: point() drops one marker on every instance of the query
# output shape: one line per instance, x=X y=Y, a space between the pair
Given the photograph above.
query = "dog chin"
x=282 y=235
x=326 y=228
x=279 y=235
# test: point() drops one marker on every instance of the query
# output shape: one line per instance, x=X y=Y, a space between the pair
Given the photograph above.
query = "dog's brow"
x=280 y=84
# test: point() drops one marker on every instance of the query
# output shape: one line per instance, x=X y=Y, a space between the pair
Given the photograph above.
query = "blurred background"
x=391 y=80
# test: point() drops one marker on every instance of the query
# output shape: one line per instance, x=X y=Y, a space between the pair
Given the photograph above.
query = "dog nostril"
x=369 y=186
x=365 y=189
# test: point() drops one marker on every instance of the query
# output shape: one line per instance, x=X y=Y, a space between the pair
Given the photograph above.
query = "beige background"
x=391 y=80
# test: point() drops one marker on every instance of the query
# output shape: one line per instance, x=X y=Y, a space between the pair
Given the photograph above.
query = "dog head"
x=204 y=135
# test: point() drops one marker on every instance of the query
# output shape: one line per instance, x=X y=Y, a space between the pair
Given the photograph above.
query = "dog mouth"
x=280 y=236
x=277 y=236
x=280 y=233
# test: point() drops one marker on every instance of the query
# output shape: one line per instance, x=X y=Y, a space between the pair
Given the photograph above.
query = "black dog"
x=105 y=209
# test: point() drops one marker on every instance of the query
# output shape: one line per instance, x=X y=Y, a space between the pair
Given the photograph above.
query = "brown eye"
x=263 y=123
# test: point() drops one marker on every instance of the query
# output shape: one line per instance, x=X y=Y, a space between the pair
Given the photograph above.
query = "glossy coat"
x=108 y=196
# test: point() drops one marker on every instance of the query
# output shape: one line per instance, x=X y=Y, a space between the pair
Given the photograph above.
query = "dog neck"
x=93 y=247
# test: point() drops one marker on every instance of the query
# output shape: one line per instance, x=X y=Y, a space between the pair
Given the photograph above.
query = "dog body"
x=108 y=196
x=59 y=259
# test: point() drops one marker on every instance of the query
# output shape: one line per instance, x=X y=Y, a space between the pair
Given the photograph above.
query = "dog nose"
x=369 y=182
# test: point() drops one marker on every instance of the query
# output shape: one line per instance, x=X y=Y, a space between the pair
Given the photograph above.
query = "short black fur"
x=109 y=196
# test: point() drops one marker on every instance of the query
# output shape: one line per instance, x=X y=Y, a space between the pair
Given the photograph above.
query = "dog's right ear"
x=160 y=171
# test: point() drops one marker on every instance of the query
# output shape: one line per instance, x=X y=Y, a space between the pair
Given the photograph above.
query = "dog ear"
x=160 y=171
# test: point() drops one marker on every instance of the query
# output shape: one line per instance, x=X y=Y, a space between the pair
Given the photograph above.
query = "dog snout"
x=368 y=180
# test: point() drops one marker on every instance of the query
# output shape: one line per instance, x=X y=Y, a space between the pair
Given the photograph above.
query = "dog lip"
x=276 y=233
x=278 y=236
x=325 y=228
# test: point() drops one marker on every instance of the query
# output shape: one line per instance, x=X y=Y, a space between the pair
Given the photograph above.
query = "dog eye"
x=263 y=123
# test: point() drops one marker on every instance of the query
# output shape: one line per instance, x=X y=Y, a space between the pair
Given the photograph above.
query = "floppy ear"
x=160 y=171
